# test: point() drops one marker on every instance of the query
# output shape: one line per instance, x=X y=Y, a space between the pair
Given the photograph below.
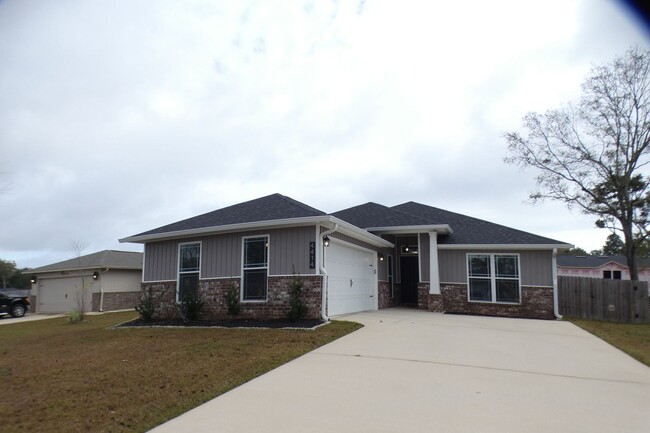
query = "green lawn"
x=633 y=339
x=57 y=376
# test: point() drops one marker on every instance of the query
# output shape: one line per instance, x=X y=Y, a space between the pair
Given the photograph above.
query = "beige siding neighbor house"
x=103 y=281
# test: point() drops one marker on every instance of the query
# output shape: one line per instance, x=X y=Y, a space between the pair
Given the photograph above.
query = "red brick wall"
x=115 y=300
x=536 y=303
x=385 y=300
x=213 y=292
x=423 y=296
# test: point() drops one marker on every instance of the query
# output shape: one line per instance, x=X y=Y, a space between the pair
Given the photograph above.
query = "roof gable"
x=376 y=215
x=469 y=230
x=269 y=208
x=103 y=259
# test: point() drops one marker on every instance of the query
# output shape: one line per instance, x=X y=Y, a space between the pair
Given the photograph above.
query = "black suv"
x=17 y=306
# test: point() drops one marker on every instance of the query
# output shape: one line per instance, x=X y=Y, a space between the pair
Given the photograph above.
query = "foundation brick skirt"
x=385 y=300
x=536 y=303
x=213 y=292
x=115 y=301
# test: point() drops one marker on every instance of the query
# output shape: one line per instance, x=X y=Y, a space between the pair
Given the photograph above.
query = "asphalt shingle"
x=269 y=208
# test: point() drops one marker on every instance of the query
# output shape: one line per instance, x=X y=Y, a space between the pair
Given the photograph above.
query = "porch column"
x=434 y=272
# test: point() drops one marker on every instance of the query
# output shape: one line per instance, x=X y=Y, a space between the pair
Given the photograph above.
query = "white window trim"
x=243 y=269
x=493 y=277
x=178 y=265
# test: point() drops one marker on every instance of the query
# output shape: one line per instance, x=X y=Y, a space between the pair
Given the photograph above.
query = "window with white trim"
x=189 y=268
x=493 y=278
x=255 y=268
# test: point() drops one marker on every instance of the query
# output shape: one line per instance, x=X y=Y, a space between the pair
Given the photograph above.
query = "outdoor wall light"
x=326 y=241
x=406 y=248
x=381 y=257
x=34 y=279
x=95 y=275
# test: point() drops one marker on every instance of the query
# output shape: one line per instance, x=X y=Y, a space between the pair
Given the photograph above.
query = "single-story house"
x=366 y=257
x=607 y=267
x=103 y=281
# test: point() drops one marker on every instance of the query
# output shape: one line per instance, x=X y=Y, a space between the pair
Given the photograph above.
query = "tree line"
x=13 y=277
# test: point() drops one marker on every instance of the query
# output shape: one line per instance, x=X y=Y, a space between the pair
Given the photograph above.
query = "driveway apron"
x=415 y=371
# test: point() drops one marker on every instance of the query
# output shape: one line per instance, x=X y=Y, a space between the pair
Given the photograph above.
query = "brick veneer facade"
x=385 y=300
x=536 y=303
x=115 y=301
x=212 y=293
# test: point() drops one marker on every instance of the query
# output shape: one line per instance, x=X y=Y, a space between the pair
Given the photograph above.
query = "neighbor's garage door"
x=351 y=282
x=61 y=295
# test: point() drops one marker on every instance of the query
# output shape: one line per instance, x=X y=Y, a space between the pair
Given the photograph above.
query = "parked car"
x=17 y=306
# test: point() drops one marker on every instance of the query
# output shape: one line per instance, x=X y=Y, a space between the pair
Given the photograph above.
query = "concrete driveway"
x=414 y=371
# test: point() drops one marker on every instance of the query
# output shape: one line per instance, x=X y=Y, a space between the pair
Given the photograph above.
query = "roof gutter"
x=442 y=229
x=323 y=271
x=505 y=246
x=343 y=227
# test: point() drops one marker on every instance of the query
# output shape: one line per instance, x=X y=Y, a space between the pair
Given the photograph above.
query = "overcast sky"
x=119 y=117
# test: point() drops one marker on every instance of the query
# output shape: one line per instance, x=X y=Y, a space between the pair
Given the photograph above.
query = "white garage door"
x=61 y=295
x=351 y=286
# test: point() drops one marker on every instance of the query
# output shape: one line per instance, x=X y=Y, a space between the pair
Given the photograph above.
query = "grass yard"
x=633 y=339
x=57 y=376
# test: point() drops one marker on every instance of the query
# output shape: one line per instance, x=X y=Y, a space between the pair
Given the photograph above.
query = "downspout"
x=101 y=292
x=556 y=306
x=323 y=271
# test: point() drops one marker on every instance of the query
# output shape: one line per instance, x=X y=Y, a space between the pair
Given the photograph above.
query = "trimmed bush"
x=75 y=316
x=232 y=301
x=190 y=307
x=146 y=306
x=297 y=307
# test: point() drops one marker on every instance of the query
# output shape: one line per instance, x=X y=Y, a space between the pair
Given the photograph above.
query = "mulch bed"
x=224 y=323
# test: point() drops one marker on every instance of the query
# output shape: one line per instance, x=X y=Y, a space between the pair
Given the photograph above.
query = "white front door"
x=352 y=279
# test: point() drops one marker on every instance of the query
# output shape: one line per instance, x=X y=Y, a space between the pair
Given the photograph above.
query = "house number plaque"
x=312 y=255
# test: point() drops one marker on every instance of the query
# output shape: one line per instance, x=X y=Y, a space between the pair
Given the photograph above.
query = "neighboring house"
x=608 y=267
x=362 y=258
x=103 y=281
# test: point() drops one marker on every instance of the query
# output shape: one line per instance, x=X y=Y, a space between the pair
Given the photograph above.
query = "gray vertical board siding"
x=290 y=250
x=353 y=241
x=160 y=260
x=221 y=254
x=536 y=266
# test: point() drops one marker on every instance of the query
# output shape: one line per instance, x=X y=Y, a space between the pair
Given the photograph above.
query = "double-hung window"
x=255 y=268
x=493 y=278
x=189 y=268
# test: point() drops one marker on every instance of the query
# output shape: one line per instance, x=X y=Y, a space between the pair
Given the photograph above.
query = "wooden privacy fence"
x=600 y=299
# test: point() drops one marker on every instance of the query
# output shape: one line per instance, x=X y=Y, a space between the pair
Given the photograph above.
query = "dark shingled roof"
x=571 y=261
x=103 y=259
x=271 y=207
x=377 y=215
x=469 y=230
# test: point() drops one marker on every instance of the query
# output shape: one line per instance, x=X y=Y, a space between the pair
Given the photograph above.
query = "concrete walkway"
x=413 y=371
x=29 y=317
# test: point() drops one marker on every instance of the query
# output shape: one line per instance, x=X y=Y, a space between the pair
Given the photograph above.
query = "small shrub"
x=146 y=306
x=190 y=307
x=75 y=316
x=297 y=307
x=232 y=301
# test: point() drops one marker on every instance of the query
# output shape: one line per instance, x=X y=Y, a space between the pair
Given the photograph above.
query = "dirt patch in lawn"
x=58 y=376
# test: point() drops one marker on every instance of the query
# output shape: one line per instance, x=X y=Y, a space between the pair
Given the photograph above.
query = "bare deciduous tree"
x=591 y=155
x=78 y=246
